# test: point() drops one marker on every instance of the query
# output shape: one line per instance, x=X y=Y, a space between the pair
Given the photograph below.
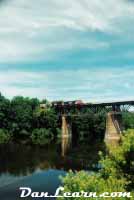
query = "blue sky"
x=74 y=49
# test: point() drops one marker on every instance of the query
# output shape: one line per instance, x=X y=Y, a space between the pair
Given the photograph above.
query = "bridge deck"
x=96 y=107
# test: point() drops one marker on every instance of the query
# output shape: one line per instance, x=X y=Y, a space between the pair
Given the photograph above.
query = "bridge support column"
x=66 y=135
x=113 y=127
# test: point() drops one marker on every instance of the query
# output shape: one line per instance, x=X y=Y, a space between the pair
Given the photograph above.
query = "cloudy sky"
x=74 y=49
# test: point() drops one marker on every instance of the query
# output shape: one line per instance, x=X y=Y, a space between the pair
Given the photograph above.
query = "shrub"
x=116 y=174
x=87 y=182
x=42 y=136
x=4 y=136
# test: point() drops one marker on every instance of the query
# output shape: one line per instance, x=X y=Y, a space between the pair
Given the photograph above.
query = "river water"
x=40 y=168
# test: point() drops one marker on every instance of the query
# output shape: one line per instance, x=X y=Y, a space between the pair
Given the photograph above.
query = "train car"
x=79 y=102
x=73 y=103
x=67 y=103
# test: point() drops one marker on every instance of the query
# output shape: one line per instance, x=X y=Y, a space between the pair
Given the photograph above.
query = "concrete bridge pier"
x=113 y=127
x=66 y=137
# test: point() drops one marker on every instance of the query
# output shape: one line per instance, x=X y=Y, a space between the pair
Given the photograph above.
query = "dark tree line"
x=89 y=126
x=22 y=118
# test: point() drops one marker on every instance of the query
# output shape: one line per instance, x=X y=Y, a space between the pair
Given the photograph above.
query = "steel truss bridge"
x=112 y=111
x=120 y=106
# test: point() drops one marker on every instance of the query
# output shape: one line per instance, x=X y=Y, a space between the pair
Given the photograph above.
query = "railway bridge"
x=113 y=111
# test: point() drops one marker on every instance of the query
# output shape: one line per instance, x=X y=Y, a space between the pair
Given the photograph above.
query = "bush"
x=87 y=182
x=4 y=136
x=42 y=136
x=116 y=174
x=128 y=120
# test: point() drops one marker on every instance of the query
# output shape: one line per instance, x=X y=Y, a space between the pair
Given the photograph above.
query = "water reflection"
x=40 y=168
x=66 y=136
x=23 y=160
x=65 y=145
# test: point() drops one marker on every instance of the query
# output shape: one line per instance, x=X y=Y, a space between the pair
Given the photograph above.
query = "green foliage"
x=116 y=174
x=89 y=126
x=128 y=120
x=45 y=119
x=4 y=111
x=121 y=158
x=45 y=125
x=87 y=182
x=20 y=115
x=42 y=136
x=59 y=135
x=4 y=136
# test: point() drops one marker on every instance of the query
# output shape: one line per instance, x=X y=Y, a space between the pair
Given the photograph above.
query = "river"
x=40 y=168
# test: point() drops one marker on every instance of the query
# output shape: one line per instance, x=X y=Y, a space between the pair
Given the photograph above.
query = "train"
x=60 y=104
x=67 y=103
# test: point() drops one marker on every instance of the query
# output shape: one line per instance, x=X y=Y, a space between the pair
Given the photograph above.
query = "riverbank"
x=116 y=174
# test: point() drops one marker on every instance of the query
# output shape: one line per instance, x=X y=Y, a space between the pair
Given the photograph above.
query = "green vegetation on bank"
x=128 y=120
x=116 y=175
x=42 y=136
x=22 y=119
x=5 y=137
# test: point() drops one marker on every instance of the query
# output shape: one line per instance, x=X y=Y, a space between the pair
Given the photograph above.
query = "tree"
x=45 y=119
x=128 y=120
x=89 y=126
x=4 y=112
x=116 y=174
x=42 y=136
x=21 y=114
x=4 y=136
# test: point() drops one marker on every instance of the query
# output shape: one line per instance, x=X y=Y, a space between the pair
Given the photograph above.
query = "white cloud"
x=90 y=85
x=34 y=29
x=81 y=14
x=45 y=29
